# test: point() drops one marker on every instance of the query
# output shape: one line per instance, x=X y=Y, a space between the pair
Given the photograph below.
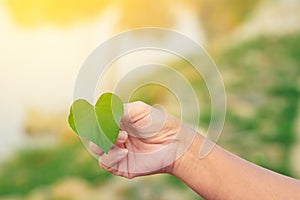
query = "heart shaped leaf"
x=100 y=123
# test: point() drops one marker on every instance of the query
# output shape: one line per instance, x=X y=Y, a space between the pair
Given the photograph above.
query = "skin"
x=219 y=175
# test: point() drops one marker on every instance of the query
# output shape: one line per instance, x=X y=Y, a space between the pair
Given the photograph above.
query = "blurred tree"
x=220 y=17
x=263 y=99
x=261 y=78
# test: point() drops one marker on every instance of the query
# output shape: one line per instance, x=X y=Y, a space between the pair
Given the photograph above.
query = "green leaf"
x=109 y=111
x=99 y=124
x=71 y=120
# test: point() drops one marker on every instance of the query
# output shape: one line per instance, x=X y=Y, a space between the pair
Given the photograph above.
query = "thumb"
x=134 y=112
x=143 y=121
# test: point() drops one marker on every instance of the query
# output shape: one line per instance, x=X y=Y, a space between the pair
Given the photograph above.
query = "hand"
x=149 y=142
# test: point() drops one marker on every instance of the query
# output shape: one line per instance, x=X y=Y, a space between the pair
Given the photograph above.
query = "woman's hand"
x=149 y=142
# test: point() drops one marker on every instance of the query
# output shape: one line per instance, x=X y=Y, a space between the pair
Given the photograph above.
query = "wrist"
x=185 y=162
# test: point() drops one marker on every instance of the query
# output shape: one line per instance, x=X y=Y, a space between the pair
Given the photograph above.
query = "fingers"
x=143 y=121
x=122 y=137
x=134 y=112
x=95 y=149
x=114 y=156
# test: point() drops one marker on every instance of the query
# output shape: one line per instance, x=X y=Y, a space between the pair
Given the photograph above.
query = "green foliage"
x=263 y=99
x=33 y=168
x=100 y=123
x=261 y=78
x=220 y=17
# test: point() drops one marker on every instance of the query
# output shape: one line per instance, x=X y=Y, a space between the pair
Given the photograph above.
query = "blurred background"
x=255 y=44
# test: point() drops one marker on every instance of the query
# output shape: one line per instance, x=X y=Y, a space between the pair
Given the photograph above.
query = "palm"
x=150 y=131
x=149 y=142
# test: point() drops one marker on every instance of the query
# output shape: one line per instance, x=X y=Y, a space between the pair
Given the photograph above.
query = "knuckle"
x=139 y=104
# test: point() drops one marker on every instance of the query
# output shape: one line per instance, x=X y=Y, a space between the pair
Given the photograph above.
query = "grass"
x=41 y=167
